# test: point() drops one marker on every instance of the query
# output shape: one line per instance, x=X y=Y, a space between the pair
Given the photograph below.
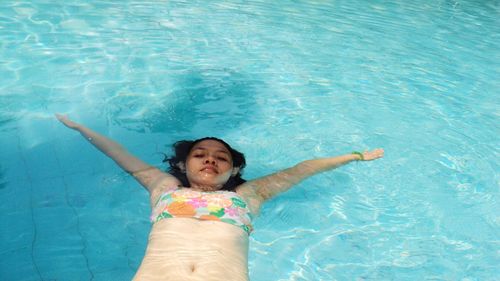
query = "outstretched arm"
x=146 y=174
x=271 y=185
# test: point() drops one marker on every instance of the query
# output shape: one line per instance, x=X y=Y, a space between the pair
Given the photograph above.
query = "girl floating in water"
x=202 y=209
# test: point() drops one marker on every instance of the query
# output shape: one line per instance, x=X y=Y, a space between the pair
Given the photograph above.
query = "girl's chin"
x=212 y=179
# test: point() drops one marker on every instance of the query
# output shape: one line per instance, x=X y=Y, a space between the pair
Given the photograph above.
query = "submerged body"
x=197 y=235
x=194 y=250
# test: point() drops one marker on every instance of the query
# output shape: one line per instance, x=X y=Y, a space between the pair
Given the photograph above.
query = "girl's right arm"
x=150 y=177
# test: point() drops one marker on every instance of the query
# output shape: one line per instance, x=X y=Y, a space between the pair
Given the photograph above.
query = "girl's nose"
x=210 y=160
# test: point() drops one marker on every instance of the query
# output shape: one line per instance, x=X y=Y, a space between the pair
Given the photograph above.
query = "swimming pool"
x=282 y=82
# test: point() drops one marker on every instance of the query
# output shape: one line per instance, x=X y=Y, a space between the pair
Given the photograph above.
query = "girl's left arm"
x=269 y=186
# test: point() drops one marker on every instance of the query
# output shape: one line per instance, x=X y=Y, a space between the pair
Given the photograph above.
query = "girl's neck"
x=205 y=188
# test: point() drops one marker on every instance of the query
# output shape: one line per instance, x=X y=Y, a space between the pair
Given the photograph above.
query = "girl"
x=202 y=209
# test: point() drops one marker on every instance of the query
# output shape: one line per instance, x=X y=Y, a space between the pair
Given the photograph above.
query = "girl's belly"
x=191 y=249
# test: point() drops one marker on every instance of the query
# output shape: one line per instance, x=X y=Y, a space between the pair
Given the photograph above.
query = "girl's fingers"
x=61 y=118
x=374 y=154
x=65 y=120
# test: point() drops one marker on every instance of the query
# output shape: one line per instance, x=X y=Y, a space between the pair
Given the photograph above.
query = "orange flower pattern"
x=224 y=206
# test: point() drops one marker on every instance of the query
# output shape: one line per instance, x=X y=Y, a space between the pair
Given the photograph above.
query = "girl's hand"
x=372 y=155
x=67 y=122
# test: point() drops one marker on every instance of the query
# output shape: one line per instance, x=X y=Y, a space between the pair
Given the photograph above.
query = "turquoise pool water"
x=282 y=82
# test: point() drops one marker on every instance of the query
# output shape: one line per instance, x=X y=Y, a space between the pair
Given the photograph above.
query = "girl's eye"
x=198 y=155
x=222 y=159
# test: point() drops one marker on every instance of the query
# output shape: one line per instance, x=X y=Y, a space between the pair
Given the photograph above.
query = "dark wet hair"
x=181 y=151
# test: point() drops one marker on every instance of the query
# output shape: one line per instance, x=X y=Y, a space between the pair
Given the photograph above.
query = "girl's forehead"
x=210 y=145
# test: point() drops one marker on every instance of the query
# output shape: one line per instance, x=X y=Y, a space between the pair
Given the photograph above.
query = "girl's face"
x=209 y=165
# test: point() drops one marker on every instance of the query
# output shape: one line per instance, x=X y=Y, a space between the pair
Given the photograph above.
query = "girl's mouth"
x=209 y=169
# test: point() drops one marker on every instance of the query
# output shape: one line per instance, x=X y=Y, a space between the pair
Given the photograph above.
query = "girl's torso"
x=197 y=236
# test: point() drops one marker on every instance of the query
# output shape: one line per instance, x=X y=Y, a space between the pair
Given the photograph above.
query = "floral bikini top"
x=224 y=206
